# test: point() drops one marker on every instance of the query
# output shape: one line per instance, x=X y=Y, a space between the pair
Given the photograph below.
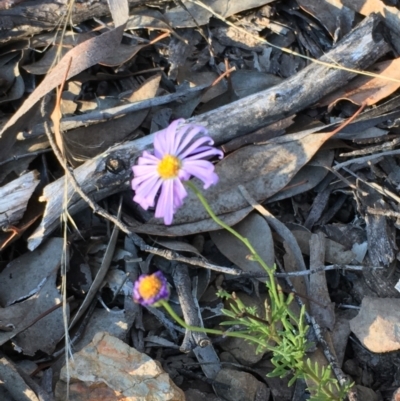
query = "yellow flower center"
x=169 y=167
x=150 y=286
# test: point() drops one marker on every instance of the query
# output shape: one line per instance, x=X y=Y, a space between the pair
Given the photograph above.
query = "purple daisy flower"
x=150 y=288
x=179 y=153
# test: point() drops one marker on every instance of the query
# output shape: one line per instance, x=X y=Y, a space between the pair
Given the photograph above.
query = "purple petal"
x=194 y=146
x=137 y=181
x=146 y=193
x=163 y=292
x=180 y=194
x=164 y=139
x=186 y=135
x=144 y=169
x=165 y=204
x=147 y=158
x=205 y=152
x=201 y=169
x=176 y=136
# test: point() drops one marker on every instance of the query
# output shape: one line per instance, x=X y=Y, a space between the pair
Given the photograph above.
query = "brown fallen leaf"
x=367 y=90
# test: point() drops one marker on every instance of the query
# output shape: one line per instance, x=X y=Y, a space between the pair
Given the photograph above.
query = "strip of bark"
x=14 y=198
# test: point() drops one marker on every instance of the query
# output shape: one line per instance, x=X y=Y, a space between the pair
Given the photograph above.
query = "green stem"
x=167 y=306
x=244 y=240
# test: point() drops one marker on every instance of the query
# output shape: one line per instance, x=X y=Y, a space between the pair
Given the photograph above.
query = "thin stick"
x=18 y=157
x=383 y=212
x=365 y=159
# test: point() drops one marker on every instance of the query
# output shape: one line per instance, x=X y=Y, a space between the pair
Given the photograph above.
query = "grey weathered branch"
x=359 y=49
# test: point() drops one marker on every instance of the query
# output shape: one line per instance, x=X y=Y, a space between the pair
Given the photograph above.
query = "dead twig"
x=191 y=314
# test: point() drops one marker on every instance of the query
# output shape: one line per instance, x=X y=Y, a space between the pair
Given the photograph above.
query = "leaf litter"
x=127 y=77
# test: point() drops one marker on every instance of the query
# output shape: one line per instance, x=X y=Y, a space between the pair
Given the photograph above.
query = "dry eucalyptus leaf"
x=58 y=50
x=243 y=83
x=24 y=276
x=178 y=246
x=256 y=229
x=248 y=82
x=23 y=146
x=367 y=90
x=147 y=18
x=45 y=333
x=341 y=332
x=390 y=14
x=321 y=307
x=202 y=78
x=122 y=53
x=147 y=90
x=308 y=177
x=180 y=17
x=13 y=384
x=33 y=276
